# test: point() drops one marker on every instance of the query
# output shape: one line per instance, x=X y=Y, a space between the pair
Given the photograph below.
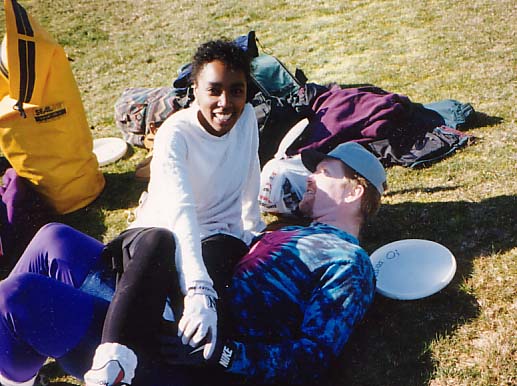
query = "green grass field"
x=428 y=50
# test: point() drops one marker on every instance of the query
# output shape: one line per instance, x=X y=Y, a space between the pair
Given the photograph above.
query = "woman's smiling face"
x=221 y=95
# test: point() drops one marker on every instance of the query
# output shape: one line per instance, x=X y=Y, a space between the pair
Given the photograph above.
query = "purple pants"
x=42 y=311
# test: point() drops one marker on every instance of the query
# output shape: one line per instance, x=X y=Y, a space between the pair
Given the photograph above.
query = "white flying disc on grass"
x=109 y=150
x=412 y=268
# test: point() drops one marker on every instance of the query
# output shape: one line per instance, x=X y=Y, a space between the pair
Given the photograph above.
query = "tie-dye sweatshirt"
x=294 y=301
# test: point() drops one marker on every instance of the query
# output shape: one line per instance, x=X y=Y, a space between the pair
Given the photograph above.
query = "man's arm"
x=335 y=307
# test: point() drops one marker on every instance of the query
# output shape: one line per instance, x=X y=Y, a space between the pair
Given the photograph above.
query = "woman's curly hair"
x=224 y=51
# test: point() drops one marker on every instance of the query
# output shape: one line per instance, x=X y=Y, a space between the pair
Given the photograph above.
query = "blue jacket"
x=294 y=301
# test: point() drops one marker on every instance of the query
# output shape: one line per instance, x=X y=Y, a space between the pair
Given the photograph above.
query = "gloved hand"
x=199 y=320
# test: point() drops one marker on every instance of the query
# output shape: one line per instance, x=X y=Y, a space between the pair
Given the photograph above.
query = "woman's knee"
x=160 y=237
x=150 y=253
x=52 y=230
x=157 y=243
x=61 y=252
x=47 y=237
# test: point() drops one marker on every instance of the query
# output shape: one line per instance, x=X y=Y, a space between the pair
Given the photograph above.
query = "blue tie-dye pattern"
x=294 y=308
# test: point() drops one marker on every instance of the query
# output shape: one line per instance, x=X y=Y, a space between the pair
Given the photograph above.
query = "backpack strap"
x=25 y=54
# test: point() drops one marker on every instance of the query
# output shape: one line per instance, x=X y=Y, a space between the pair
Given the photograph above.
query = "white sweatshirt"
x=201 y=185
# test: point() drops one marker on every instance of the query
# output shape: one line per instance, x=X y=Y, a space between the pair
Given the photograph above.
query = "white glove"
x=199 y=320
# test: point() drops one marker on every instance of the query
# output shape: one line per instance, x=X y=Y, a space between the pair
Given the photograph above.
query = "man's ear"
x=354 y=193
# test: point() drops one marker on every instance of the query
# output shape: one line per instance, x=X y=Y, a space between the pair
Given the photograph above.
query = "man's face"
x=326 y=189
x=221 y=96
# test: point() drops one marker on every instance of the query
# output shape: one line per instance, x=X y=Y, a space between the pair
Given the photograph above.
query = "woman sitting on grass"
x=204 y=186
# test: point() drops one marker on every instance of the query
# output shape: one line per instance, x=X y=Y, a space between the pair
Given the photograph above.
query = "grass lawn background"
x=426 y=50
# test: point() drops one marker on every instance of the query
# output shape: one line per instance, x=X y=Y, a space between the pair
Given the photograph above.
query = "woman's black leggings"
x=144 y=261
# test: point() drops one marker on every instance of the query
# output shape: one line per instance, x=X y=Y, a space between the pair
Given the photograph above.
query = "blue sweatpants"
x=42 y=311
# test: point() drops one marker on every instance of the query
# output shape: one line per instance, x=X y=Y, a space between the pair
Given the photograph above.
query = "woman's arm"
x=172 y=196
x=171 y=200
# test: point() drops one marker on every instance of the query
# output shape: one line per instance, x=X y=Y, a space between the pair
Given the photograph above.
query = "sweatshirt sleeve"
x=332 y=312
x=173 y=200
x=251 y=218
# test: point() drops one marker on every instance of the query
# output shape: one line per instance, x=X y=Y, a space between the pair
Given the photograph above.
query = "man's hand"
x=199 y=320
x=174 y=352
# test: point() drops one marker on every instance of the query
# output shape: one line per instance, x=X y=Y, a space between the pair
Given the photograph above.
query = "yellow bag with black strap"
x=44 y=132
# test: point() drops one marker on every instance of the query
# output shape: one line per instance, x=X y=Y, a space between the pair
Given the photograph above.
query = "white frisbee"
x=109 y=150
x=412 y=268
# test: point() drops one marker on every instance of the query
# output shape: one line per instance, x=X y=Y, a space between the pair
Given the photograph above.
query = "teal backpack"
x=278 y=100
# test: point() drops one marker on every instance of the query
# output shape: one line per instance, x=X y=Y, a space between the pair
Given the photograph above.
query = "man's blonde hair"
x=371 y=200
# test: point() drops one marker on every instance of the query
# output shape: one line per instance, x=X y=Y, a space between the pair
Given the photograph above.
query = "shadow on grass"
x=435 y=189
x=391 y=346
x=482 y=120
x=351 y=85
x=121 y=191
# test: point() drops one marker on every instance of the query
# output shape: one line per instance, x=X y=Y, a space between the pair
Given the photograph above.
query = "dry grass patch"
x=484 y=352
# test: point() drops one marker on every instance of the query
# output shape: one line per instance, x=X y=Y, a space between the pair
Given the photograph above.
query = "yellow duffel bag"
x=44 y=132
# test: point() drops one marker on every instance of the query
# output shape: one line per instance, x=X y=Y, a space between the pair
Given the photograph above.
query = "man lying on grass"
x=288 y=311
